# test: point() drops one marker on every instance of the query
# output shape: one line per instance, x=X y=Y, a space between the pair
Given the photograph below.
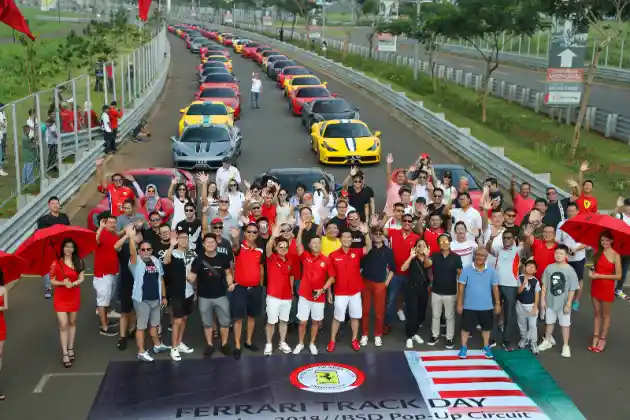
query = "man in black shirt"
x=361 y=196
x=311 y=230
x=354 y=227
x=224 y=246
x=125 y=287
x=340 y=219
x=54 y=217
x=192 y=226
x=152 y=233
x=212 y=274
x=447 y=266
x=162 y=245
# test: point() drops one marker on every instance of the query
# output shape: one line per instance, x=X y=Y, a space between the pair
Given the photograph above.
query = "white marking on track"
x=48 y=376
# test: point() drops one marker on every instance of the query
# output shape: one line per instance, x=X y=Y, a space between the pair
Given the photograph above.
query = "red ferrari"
x=303 y=95
x=266 y=54
x=228 y=95
x=161 y=178
x=219 y=80
x=259 y=52
x=288 y=73
x=228 y=40
x=249 y=48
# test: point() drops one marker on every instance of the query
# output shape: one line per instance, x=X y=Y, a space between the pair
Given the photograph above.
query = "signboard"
x=267 y=19
x=386 y=42
x=228 y=17
x=47 y=5
x=315 y=32
x=388 y=10
x=565 y=69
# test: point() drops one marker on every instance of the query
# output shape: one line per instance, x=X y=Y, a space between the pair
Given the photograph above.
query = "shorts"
x=125 y=290
x=306 y=309
x=147 y=314
x=219 y=306
x=551 y=316
x=351 y=304
x=278 y=309
x=104 y=287
x=578 y=266
x=471 y=318
x=181 y=307
x=246 y=302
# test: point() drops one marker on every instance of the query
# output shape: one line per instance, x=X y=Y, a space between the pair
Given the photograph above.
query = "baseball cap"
x=425 y=156
x=308 y=195
x=344 y=193
x=216 y=220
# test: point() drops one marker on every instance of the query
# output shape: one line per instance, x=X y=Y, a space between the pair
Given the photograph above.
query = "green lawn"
x=42 y=27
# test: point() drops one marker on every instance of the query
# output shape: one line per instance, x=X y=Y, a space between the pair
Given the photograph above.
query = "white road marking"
x=47 y=376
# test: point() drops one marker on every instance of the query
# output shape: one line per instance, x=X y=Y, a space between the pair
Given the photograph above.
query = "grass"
x=533 y=140
x=42 y=27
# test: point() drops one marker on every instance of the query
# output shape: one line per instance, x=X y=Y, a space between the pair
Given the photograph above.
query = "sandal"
x=601 y=345
x=593 y=348
x=67 y=364
x=71 y=355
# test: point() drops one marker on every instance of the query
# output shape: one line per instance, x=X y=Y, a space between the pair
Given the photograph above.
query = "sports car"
x=205 y=112
x=256 y=56
x=220 y=59
x=272 y=59
x=222 y=35
x=342 y=142
x=212 y=70
x=273 y=69
x=213 y=33
x=288 y=73
x=210 y=65
x=196 y=44
x=265 y=54
x=220 y=80
x=249 y=49
x=306 y=94
x=238 y=45
x=227 y=95
x=300 y=81
x=227 y=40
x=214 y=50
x=325 y=110
x=192 y=35
x=204 y=146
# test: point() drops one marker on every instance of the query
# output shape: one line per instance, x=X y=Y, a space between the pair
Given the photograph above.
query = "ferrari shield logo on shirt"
x=352 y=255
x=587 y=204
x=351 y=144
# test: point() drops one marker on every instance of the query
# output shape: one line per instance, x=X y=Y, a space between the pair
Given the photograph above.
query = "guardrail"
x=72 y=177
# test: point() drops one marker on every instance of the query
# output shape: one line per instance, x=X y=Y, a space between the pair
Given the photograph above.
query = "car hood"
x=207 y=119
x=231 y=102
x=310 y=99
x=351 y=144
x=203 y=149
x=327 y=116
x=219 y=84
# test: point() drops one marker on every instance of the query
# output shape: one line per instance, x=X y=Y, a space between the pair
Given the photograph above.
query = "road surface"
x=272 y=138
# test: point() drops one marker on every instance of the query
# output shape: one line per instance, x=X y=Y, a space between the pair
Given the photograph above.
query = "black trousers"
x=110 y=142
x=416 y=301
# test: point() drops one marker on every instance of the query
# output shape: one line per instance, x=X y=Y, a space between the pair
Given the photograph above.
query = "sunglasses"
x=146 y=249
x=256 y=208
x=358 y=182
x=224 y=201
x=233 y=185
x=156 y=220
x=437 y=196
x=407 y=221
x=252 y=232
x=422 y=177
x=217 y=226
x=285 y=231
x=510 y=214
x=189 y=210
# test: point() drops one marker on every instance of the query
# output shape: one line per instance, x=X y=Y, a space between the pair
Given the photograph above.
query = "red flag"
x=143 y=9
x=11 y=15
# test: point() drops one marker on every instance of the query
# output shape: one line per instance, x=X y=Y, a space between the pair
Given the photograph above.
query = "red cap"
x=216 y=220
x=424 y=156
x=344 y=193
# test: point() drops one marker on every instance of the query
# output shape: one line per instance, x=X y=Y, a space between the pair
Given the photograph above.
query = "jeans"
x=47 y=284
x=416 y=300
x=255 y=97
x=625 y=265
x=28 y=173
x=448 y=303
x=527 y=322
x=507 y=295
x=377 y=292
x=294 y=303
x=393 y=290
x=52 y=157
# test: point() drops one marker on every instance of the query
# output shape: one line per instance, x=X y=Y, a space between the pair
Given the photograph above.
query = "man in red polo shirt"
x=543 y=250
x=115 y=114
x=523 y=202
x=317 y=277
x=105 y=269
x=268 y=209
x=279 y=291
x=116 y=191
x=248 y=276
x=346 y=265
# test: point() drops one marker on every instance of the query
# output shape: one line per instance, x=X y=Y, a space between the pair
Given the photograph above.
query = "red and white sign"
x=386 y=42
x=565 y=75
x=228 y=17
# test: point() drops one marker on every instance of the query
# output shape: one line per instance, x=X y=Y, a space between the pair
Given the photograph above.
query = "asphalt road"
x=272 y=138
x=611 y=98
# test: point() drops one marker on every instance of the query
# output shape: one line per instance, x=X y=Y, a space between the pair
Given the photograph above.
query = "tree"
x=369 y=7
x=69 y=52
x=496 y=21
x=608 y=18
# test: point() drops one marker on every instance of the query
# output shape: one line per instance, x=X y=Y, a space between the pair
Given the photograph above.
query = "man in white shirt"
x=108 y=134
x=225 y=174
x=31 y=122
x=577 y=253
x=256 y=90
x=467 y=214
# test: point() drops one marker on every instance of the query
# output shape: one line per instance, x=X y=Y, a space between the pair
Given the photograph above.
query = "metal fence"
x=77 y=149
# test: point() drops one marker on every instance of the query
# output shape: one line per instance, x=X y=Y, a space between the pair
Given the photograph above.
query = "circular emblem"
x=322 y=265
x=327 y=378
x=352 y=255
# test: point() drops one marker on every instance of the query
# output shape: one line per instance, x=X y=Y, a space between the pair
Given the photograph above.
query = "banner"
x=48 y=5
x=386 y=42
x=227 y=18
x=267 y=20
x=388 y=10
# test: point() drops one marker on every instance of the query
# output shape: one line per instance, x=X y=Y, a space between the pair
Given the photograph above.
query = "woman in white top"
x=446 y=184
x=322 y=197
x=284 y=210
x=463 y=245
x=236 y=199
x=213 y=196
x=179 y=195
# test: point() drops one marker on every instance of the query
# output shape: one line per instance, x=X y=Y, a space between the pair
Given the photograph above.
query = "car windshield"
x=214 y=70
x=219 y=78
x=161 y=181
x=306 y=81
x=458 y=173
x=213 y=64
x=204 y=42
x=218 y=93
x=290 y=181
x=214 y=52
x=251 y=45
x=345 y=130
x=275 y=58
x=296 y=71
x=218 y=59
x=268 y=53
x=283 y=63
x=315 y=92
x=207 y=109
x=333 y=105
x=205 y=135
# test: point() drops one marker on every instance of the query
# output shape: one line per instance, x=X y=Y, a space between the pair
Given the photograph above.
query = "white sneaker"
x=268 y=349
x=298 y=349
x=3 y=173
x=545 y=345
x=183 y=348
x=552 y=340
x=145 y=357
x=113 y=315
x=378 y=341
x=566 y=351
x=523 y=343
x=401 y=315
x=161 y=348
x=418 y=339
x=284 y=347
x=364 y=341
x=175 y=355
x=409 y=343
x=313 y=349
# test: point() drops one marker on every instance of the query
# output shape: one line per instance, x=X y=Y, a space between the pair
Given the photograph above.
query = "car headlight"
x=328 y=147
x=374 y=146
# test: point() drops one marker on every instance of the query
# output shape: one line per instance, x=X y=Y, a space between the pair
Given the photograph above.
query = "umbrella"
x=588 y=229
x=44 y=246
x=12 y=266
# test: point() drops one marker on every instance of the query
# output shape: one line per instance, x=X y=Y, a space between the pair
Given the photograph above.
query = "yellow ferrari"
x=345 y=142
x=220 y=59
x=208 y=112
x=300 y=81
x=239 y=44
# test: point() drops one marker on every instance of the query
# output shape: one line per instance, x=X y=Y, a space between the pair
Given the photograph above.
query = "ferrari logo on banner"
x=386 y=42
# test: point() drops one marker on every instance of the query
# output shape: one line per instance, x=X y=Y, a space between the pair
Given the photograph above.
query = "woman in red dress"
x=3 y=325
x=605 y=272
x=66 y=274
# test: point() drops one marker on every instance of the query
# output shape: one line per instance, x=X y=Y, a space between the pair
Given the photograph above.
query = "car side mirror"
x=377 y=133
x=174 y=139
x=182 y=110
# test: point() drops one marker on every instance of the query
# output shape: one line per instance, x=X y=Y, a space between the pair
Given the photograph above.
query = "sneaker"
x=401 y=315
x=331 y=346
x=48 y=294
x=463 y=352
x=109 y=332
x=417 y=339
x=620 y=294
x=449 y=344
x=364 y=341
x=523 y=343
x=507 y=347
x=575 y=306
x=225 y=349
x=378 y=341
x=175 y=355
x=113 y=315
x=552 y=340
x=492 y=344
x=487 y=351
x=545 y=345
x=268 y=349
x=534 y=348
x=161 y=348
x=122 y=343
x=356 y=346
x=284 y=348
x=183 y=348
x=298 y=349
x=566 y=351
x=209 y=351
x=237 y=354
x=409 y=343
x=3 y=173
x=145 y=357
x=313 y=349
x=433 y=341
x=252 y=347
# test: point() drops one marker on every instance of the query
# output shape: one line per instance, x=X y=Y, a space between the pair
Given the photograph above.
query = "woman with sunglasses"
x=236 y=197
x=179 y=195
x=209 y=194
x=284 y=209
x=152 y=202
x=4 y=305
x=416 y=290
x=66 y=274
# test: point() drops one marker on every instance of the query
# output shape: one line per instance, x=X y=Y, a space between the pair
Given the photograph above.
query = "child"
x=527 y=306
